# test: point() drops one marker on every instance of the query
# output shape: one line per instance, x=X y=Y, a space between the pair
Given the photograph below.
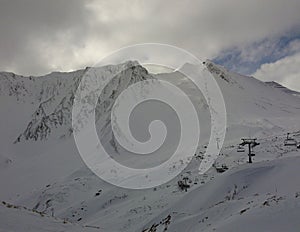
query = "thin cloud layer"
x=42 y=36
x=248 y=59
x=285 y=71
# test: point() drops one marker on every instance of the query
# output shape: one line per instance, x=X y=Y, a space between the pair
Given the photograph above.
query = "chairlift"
x=240 y=149
x=255 y=144
x=251 y=144
x=183 y=185
x=289 y=141
x=222 y=169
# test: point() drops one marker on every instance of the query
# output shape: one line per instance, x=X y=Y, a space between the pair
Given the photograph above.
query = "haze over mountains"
x=47 y=187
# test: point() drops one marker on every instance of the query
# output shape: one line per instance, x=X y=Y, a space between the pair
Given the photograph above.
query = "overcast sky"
x=255 y=37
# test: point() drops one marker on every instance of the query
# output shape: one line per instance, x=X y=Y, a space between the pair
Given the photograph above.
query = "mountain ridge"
x=45 y=172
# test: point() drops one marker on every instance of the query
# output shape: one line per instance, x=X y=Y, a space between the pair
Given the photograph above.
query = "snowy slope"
x=43 y=171
x=17 y=218
x=283 y=88
x=259 y=197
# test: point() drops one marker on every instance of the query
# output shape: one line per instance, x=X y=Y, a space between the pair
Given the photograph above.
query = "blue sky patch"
x=246 y=60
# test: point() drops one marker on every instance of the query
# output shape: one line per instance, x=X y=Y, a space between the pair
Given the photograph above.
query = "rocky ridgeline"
x=55 y=113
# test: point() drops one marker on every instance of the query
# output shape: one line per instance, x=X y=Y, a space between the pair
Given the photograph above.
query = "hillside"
x=41 y=169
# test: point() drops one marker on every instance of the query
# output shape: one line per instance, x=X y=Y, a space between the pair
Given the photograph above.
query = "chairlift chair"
x=290 y=141
x=240 y=149
x=222 y=169
x=183 y=186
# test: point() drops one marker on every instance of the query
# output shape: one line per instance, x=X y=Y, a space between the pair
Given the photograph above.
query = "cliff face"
x=52 y=96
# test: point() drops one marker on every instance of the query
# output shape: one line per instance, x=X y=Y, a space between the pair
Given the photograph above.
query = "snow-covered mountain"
x=41 y=169
x=283 y=88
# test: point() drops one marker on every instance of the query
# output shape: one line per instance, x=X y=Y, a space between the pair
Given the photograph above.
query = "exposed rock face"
x=55 y=113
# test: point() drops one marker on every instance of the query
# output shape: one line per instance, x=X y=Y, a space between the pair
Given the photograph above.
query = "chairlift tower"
x=251 y=143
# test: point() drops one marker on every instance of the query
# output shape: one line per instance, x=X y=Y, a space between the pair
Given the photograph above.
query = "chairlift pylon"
x=251 y=144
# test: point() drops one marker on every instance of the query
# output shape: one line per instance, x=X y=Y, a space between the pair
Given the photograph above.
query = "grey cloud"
x=285 y=71
x=41 y=36
x=26 y=25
